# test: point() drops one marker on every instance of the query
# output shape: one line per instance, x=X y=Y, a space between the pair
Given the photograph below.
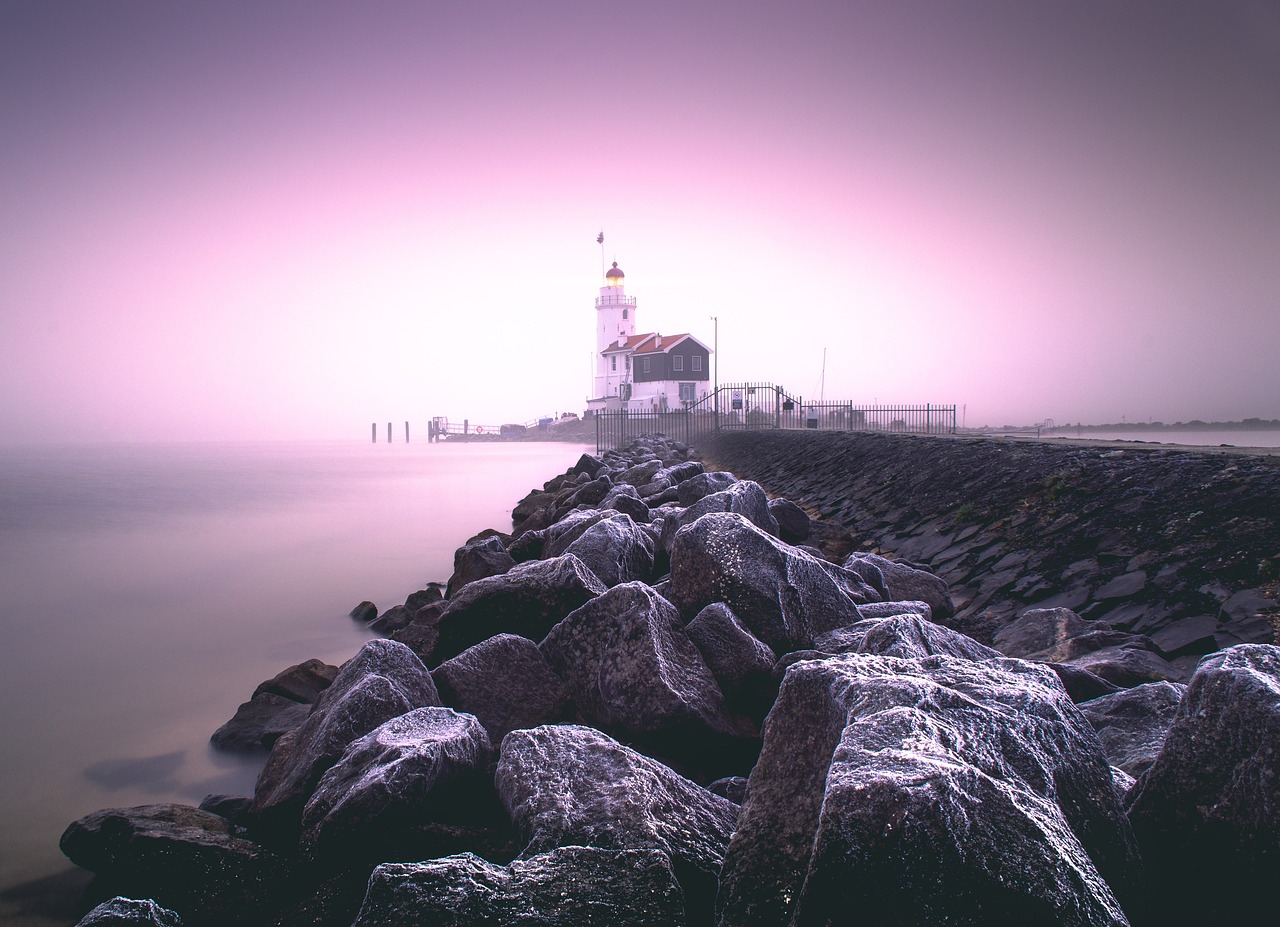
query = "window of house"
x=613 y=362
x=697 y=362
x=647 y=367
x=628 y=363
x=677 y=362
x=686 y=392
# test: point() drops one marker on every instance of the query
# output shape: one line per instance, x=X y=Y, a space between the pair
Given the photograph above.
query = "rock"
x=1122 y=781
x=733 y=788
x=384 y=680
x=743 y=498
x=741 y=663
x=906 y=581
x=904 y=636
x=1186 y=636
x=928 y=791
x=505 y=682
x=624 y=498
x=423 y=767
x=475 y=561
x=235 y=808
x=574 y=786
x=392 y=620
x=589 y=494
x=1127 y=666
x=889 y=609
x=613 y=548
x=1081 y=684
x=179 y=856
x=527 y=600
x=528 y=545
x=1131 y=723
x=704 y=484
x=641 y=473
x=259 y=723
x=1054 y=635
x=1040 y=633
x=1122 y=586
x=794 y=525
x=422 y=633
x=783 y=596
x=128 y=912
x=588 y=464
x=566 y=887
x=1207 y=811
x=302 y=682
x=365 y=611
x=421 y=598
x=630 y=668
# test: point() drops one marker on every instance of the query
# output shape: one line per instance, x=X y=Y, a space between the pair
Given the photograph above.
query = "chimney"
x=659 y=341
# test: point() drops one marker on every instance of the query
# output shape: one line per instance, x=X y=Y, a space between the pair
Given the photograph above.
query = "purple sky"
x=249 y=219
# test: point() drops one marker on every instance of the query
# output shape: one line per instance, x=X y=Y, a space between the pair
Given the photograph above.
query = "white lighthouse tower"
x=615 y=326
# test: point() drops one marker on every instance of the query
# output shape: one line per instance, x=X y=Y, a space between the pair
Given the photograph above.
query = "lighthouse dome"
x=614 y=275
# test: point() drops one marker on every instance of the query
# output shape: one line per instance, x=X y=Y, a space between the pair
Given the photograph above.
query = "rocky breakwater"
x=664 y=698
x=1178 y=546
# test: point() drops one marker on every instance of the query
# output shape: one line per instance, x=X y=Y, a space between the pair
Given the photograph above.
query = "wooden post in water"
x=406 y=432
x=388 y=432
x=375 y=432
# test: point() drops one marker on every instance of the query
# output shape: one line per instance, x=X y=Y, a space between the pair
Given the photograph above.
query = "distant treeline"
x=1248 y=424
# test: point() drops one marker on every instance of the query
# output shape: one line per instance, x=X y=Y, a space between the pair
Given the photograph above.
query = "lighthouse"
x=646 y=372
x=615 y=326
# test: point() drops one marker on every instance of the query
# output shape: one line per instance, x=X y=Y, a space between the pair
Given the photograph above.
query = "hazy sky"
x=255 y=219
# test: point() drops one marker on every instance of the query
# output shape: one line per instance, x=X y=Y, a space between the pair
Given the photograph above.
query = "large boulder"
x=179 y=856
x=794 y=524
x=630 y=668
x=624 y=498
x=1054 y=635
x=574 y=786
x=928 y=791
x=1128 y=665
x=612 y=546
x=130 y=912
x=505 y=682
x=741 y=663
x=1132 y=723
x=383 y=680
x=259 y=723
x=904 y=580
x=784 y=596
x=704 y=484
x=906 y=636
x=302 y=682
x=527 y=600
x=743 y=498
x=1207 y=811
x=381 y=799
x=485 y=557
x=565 y=887
x=278 y=705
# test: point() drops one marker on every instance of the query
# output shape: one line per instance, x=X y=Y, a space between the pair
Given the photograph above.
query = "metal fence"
x=760 y=406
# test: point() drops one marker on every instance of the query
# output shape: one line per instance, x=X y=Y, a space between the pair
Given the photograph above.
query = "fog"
x=290 y=220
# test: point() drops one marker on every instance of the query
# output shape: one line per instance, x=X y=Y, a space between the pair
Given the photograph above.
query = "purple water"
x=146 y=590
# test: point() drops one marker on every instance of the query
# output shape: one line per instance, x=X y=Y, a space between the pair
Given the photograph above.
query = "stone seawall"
x=1181 y=545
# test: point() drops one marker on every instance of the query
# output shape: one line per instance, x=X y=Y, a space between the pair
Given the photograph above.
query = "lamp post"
x=715 y=350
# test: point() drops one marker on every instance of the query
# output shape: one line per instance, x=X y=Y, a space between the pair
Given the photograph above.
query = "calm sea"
x=1242 y=437
x=146 y=590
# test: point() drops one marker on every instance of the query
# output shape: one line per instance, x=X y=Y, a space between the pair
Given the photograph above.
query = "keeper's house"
x=649 y=372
